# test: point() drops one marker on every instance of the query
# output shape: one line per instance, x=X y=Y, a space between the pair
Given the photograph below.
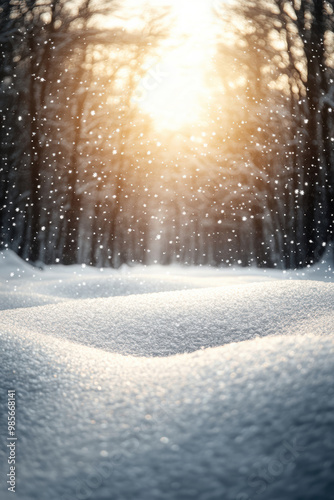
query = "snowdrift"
x=163 y=324
x=22 y=285
x=207 y=393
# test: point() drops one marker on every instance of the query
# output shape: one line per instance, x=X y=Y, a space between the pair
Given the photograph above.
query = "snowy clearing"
x=168 y=383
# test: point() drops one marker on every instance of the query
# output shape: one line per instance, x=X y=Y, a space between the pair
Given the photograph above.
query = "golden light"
x=173 y=92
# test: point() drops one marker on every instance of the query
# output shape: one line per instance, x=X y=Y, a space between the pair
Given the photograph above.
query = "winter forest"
x=167 y=249
x=162 y=132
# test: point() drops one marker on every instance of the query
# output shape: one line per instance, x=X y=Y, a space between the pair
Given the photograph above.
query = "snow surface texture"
x=220 y=392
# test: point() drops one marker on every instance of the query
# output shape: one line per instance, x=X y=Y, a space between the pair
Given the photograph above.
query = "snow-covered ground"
x=168 y=382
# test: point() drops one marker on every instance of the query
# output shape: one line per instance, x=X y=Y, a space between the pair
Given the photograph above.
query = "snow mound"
x=22 y=285
x=25 y=293
x=182 y=321
x=232 y=422
x=84 y=287
x=203 y=391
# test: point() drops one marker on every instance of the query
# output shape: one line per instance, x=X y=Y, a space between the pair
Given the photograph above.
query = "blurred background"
x=190 y=131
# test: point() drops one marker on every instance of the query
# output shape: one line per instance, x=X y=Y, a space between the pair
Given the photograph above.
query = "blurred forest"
x=87 y=177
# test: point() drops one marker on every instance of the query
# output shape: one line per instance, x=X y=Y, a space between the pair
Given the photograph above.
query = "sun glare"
x=174 y=91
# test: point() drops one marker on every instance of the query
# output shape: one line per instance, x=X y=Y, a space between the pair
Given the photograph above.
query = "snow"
x=168 y=383
x=12 y=267
x=163 y=324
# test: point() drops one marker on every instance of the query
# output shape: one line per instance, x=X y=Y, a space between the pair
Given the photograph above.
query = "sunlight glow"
x=174 y=91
